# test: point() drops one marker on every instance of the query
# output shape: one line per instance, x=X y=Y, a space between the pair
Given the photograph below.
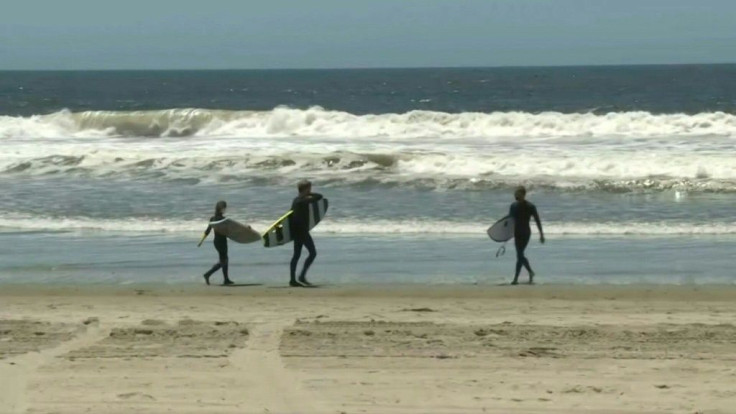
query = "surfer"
x=220 y=246
x=300 y=232
x=522 y=211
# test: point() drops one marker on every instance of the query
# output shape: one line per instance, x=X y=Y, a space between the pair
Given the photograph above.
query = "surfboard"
x=239 y=233
x=502 y=230
x=279 y=233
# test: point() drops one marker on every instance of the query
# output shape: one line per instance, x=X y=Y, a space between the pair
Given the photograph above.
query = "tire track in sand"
x=16 y=372
x=271 y=387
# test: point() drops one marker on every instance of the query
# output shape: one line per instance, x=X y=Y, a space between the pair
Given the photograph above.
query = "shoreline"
x=706 y=292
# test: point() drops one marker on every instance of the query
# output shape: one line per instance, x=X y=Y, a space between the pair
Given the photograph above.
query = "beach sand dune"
x=543 y=349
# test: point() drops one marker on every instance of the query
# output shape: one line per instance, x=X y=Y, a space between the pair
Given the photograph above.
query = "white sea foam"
x=29 y=223
x=616 y=152
x=324 y=123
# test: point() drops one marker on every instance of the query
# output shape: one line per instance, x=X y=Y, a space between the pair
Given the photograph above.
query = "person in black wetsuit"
x=299 y=224
x=220 y=246
x=522 y=211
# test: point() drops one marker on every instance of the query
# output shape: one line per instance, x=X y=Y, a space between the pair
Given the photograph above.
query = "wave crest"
x=317 y=121
x=406 y=170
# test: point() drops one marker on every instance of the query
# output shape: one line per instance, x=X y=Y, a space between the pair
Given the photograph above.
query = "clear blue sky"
x=163 y=34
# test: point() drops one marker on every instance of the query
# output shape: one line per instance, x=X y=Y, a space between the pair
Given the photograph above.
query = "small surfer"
x=522 y=211
x=299 y=225
x=220 y=246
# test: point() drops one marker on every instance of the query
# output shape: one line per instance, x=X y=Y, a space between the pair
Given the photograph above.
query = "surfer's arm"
x=539 y=224
x=204 y=236
x=305 y=200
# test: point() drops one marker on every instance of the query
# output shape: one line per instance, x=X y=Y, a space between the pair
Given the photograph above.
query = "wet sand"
x=378 y=349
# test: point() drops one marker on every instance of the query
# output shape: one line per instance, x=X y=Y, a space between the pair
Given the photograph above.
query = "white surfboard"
x=279 y=233
x=239 y=233
x=502 y=230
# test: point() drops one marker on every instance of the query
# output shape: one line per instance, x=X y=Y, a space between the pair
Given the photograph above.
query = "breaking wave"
x=617 y=152
x=592 y=172
x=324 y=123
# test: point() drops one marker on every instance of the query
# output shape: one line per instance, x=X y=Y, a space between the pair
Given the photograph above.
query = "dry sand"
x=252 y=349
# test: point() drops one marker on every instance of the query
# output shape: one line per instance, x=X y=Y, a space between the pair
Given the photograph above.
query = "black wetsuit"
x=299 y=224
x=221 y=247
x=522 y=212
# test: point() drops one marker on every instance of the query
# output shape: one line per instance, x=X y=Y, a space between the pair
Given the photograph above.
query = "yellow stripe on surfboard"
x=277 y=223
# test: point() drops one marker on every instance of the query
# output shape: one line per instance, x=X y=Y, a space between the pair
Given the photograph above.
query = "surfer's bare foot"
x=515 y=282
x=531 y=278
x=206 y=279
x=304 y=282
x=228 y=282
x=294 y=283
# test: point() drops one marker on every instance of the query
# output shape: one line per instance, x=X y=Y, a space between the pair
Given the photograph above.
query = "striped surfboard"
x=279 y=233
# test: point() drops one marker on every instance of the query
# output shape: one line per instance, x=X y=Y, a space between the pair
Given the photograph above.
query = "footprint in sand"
x=418 y=310
x=136 y=396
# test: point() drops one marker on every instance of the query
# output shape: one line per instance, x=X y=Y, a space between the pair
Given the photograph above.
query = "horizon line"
x=371 y=67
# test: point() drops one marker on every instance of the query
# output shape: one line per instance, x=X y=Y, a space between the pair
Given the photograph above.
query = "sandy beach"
x=381 y=349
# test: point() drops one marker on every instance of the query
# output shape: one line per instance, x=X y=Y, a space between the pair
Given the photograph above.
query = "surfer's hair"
x=520 y=192
x=303 y=185
x=219 y=207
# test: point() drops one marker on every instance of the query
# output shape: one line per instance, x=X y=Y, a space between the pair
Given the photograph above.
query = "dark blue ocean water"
x=110 y=176
x=687 y=89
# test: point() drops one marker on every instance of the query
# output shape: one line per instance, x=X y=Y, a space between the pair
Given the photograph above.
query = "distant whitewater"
x=616 y=152
x=318 y=122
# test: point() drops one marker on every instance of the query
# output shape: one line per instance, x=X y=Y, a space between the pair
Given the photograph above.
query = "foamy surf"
x=617 y=152
x=351 y=227
x=316 y=121
x=587 y=170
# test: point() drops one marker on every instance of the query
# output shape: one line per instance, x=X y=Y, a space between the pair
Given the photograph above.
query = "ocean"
x=109 y=177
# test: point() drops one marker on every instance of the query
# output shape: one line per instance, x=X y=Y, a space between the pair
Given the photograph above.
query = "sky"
x=244 y=34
